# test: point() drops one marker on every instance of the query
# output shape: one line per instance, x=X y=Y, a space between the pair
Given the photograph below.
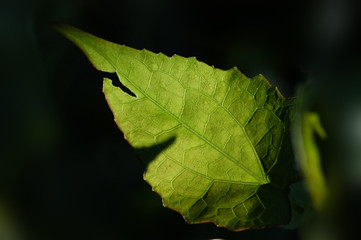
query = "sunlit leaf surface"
x=213 y=137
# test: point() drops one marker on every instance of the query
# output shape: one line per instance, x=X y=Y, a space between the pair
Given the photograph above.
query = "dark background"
x=66 y=172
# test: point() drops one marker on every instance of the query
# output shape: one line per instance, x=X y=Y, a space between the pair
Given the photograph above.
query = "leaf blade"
x=227 y=130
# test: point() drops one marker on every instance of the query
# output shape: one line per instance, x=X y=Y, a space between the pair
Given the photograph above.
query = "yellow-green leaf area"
x=224 y=130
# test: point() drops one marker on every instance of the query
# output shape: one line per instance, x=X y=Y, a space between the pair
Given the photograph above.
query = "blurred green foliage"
x=309 y=157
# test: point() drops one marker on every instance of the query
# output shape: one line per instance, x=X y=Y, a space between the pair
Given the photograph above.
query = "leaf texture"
x=225 y=133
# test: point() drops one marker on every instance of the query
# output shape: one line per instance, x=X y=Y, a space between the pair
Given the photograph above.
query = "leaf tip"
x=62 y=28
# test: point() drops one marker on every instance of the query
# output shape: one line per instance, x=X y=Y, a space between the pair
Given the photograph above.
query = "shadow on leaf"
x=147 y=154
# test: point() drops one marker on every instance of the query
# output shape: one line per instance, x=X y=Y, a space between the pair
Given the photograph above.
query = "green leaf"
x=217 y=134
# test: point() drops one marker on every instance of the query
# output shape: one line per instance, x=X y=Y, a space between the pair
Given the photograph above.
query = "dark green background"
x=66 y=172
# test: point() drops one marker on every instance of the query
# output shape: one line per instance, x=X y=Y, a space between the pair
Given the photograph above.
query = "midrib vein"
x=175 y=118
